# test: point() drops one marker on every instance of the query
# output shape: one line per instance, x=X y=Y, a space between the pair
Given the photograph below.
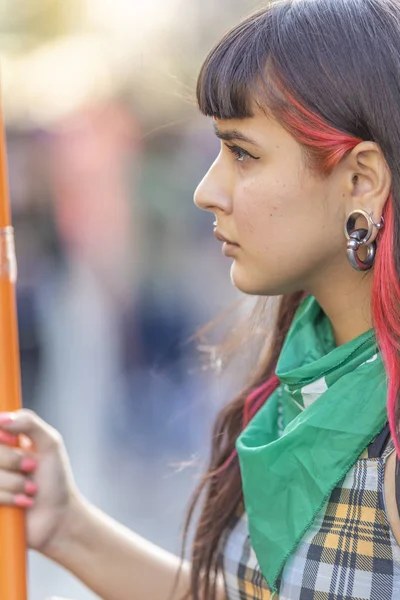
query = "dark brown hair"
x=221 y=491
x=328 y=71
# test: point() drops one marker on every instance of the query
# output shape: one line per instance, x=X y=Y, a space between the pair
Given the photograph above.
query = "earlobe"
x=361 y=237
x=370 y=180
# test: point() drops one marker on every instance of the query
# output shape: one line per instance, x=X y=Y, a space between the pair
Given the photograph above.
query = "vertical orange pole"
x=13 y=580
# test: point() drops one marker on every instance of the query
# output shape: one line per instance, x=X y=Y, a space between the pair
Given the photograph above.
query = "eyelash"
x=240 y=154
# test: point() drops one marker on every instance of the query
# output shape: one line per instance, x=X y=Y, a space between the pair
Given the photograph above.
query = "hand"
x=36 y=476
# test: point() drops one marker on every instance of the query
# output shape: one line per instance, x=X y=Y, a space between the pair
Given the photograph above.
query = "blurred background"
x=117 y=268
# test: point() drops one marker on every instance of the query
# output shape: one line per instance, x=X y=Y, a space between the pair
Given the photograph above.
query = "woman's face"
x=286 y=222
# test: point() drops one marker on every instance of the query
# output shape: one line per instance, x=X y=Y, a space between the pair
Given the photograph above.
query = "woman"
x=305 y=97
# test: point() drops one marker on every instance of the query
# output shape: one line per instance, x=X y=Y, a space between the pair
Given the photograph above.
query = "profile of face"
x=286 y=221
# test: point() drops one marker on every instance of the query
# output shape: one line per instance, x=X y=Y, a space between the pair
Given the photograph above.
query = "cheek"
x=283 y=228
x=266 y=213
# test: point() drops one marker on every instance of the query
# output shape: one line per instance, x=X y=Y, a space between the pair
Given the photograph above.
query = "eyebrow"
x=233 y=135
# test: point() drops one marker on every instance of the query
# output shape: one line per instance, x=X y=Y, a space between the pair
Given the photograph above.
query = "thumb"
x=24 y=421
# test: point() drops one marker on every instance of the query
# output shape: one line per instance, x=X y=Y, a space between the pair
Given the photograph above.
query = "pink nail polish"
x=23 y=501
x=28 y=465
x=31 y=488
x=8 y=438
x=6 y=418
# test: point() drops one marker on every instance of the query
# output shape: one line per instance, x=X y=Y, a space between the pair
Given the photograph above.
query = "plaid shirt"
x=349 y=552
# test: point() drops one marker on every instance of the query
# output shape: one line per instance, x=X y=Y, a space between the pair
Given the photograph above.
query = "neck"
x=346 y=302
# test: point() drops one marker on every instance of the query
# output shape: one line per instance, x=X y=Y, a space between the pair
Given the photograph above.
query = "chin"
x=252 y=286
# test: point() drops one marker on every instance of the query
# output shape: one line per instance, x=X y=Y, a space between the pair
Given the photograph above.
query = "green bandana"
x=330 y=405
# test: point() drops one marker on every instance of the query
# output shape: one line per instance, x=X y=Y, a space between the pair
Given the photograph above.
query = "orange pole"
x=13 y=563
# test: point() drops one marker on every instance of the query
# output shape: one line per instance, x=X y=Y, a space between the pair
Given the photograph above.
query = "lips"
x=221 y=238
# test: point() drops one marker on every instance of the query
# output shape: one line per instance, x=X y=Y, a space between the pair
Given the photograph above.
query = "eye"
x=240 y=154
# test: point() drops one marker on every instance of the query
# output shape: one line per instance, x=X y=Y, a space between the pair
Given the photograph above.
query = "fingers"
x=14 y=459
x=16 y=489
x=20 y=500
x=8 y=438
x=17 y=483
x=15 y=440
x=26 y=422
x=17 y=463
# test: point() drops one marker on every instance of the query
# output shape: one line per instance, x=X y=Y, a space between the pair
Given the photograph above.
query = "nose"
x=213 y=193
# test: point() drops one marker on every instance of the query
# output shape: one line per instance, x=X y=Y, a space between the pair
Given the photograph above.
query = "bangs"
x=233 y=78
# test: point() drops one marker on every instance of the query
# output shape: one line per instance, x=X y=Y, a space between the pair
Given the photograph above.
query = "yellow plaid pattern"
x=349 y=552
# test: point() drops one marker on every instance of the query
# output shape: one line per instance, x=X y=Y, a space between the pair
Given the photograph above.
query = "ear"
x=368 y=180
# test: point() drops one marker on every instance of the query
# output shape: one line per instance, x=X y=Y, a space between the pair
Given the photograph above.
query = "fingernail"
x=23 y=501
x=31 y=488
x=8 y=438
x=28 y=465
x=6 y=418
